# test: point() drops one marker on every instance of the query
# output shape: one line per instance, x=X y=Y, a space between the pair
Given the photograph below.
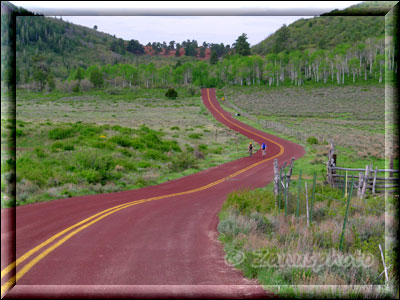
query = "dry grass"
x=354 y=117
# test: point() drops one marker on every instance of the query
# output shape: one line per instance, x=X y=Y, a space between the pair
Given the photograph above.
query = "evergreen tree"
x=40 y=71
x=96 y=77
x=242 y=47
x=79 y=74
x=213 y=58
x=135 y=47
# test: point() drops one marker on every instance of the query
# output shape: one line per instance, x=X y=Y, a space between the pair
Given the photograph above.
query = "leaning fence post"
x=345 y=216
x=365 y=181
x=307 y=210
x=384 y=265
x=298 y=195
x=313 y=195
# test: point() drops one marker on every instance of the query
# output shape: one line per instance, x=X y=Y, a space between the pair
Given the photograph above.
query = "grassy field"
x=257 y=234
x=352 y=116
x=106 y=141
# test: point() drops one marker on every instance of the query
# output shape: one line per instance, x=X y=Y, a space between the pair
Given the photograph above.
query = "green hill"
x=326 y=32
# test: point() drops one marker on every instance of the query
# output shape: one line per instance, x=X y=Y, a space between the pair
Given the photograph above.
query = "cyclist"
x=250 y=149
x=264 y=149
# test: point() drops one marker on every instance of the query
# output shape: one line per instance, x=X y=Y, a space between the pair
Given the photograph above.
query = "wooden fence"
x=368 y=179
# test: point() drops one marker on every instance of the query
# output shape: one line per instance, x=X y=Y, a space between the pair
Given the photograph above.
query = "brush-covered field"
x=112 y=140
x=352 y=116
x=277 y=247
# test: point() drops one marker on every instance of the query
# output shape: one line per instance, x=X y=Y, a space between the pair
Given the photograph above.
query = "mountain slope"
x=329 y=30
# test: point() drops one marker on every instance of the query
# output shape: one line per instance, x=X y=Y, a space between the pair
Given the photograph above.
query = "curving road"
x=158 y=241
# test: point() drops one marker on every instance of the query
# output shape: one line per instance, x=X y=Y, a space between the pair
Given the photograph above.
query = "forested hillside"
x=65 y=46
x=329 y=30
x=54 y=54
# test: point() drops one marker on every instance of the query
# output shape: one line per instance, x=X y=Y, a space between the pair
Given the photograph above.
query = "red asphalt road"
x=166 y=247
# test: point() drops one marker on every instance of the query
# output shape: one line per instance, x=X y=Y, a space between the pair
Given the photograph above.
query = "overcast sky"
x=112 y=17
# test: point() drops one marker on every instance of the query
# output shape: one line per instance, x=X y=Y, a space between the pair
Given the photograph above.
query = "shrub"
x=171 y=93
x=19 y=133
x=76 y=89
x=195 y=136
x=247 y=202
x=154 y=154
x=57 y=146
x=121 y=140
x=175 y=128
x=40 y=152
x=86 y=85
x=183 y=161
x=61 y=133
x=312 y=140
x=90 y=175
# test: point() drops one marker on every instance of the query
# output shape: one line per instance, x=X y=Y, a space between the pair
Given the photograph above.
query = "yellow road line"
x=110 y=211
x=252 y=132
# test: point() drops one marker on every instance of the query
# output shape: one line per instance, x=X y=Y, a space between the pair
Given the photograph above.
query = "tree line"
x=361 y=61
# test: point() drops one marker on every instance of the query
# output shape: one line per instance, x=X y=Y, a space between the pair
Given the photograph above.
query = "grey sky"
x=212 y=29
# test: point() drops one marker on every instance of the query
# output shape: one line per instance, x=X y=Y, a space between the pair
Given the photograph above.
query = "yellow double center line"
x=101 y=215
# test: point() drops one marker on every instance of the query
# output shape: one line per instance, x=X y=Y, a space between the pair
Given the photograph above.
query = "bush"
x=121 y=140
x=247 y=202
x=195 y=136
x=76 y=88
x=183 y=161
x=57 y=146
x=312 y=140
x=154 y=154
x=171 y=93
x=90 y=175
x=61 y=133
x=19 y=133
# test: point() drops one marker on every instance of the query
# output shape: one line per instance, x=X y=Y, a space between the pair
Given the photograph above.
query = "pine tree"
x=242 y=47
x=213 y=58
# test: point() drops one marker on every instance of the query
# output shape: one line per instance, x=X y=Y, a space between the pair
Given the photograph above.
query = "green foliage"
x=171 y=93
x=246 y=202
x=312 y=140
x=324 y=32
x=96 y=77
x=213 y=58
x=195 y=136
x=183 y=161
x=241 y=46
x=135 y=47
x=61 y=133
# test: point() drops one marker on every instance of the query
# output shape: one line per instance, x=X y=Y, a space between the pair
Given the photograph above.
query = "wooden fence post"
x=360 y=180
x=313 y=195
x=286 y=187
x=290 y=171
x=345 y=216
x=298 y=195
x=374 y=182
x=276 y=177
x=307 y=211
x=365 y=181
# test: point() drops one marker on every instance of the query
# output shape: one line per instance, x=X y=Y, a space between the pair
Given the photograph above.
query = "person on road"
x=250 y=149
x=264 y=149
